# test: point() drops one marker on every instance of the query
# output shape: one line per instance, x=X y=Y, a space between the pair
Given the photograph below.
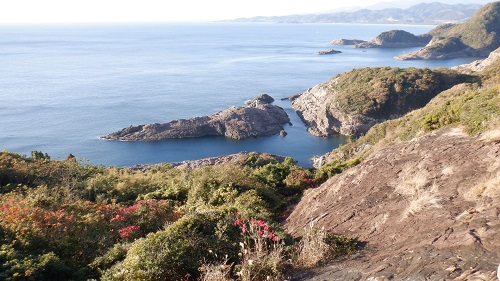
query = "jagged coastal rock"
x=396 y=39
x=328 y=52
x=238 y=122
x=343 y=41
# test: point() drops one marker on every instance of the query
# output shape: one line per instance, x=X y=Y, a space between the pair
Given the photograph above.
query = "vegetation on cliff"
x=352 y=102
x=383 y=91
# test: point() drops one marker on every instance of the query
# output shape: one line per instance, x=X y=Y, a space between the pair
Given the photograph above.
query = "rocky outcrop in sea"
x=328 y=52
x=238 y=122
x=343 y=41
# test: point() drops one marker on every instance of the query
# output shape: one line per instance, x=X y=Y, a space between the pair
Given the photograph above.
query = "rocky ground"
x=426 y=209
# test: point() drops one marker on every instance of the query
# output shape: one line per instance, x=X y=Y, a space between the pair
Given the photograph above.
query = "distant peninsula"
x=424 y=13
x=259 y=118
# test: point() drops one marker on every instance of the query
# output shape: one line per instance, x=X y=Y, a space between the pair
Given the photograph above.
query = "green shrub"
x=177 y=251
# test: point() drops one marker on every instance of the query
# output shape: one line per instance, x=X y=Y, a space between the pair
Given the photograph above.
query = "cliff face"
x=426 y=209
x=352 y=102
x=318 y=109
x=238 y=122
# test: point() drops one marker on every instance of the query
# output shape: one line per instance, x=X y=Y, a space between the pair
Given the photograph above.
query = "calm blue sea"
x=61 y=87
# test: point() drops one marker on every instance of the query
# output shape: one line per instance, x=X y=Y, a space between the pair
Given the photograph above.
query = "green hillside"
x=482 y=31
x=473 y=106
x=381 y=92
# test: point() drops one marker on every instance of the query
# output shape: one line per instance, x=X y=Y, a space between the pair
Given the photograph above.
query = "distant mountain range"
x=424 y=13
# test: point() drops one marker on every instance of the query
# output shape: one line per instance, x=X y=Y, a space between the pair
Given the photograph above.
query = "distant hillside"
x=476 y=37
x=424 y=13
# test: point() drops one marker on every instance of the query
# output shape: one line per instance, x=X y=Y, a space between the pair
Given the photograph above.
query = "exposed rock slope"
x=352 y=102
x=238 y=122
x=426 y=209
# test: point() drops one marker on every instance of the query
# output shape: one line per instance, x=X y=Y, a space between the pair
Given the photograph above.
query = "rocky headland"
x=396 y=39
x=476 y=37
x=352 y=102
x=238 y=122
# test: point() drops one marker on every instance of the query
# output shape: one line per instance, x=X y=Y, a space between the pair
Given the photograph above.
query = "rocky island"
x=238 y=122
x=328 y=52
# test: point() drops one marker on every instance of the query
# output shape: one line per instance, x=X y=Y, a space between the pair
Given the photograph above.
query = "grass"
x=419 y=193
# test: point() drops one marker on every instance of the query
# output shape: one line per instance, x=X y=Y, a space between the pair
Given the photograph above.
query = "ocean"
x=64 y=86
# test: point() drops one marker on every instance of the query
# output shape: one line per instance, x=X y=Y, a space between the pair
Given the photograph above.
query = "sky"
x=76 y=11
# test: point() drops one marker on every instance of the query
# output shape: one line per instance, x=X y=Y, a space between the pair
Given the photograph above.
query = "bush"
x=177 y=251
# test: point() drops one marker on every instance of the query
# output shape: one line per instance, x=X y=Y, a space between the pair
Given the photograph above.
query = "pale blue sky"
x=61 y=11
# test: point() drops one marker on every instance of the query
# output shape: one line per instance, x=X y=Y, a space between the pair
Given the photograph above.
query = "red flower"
x=129 y=230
